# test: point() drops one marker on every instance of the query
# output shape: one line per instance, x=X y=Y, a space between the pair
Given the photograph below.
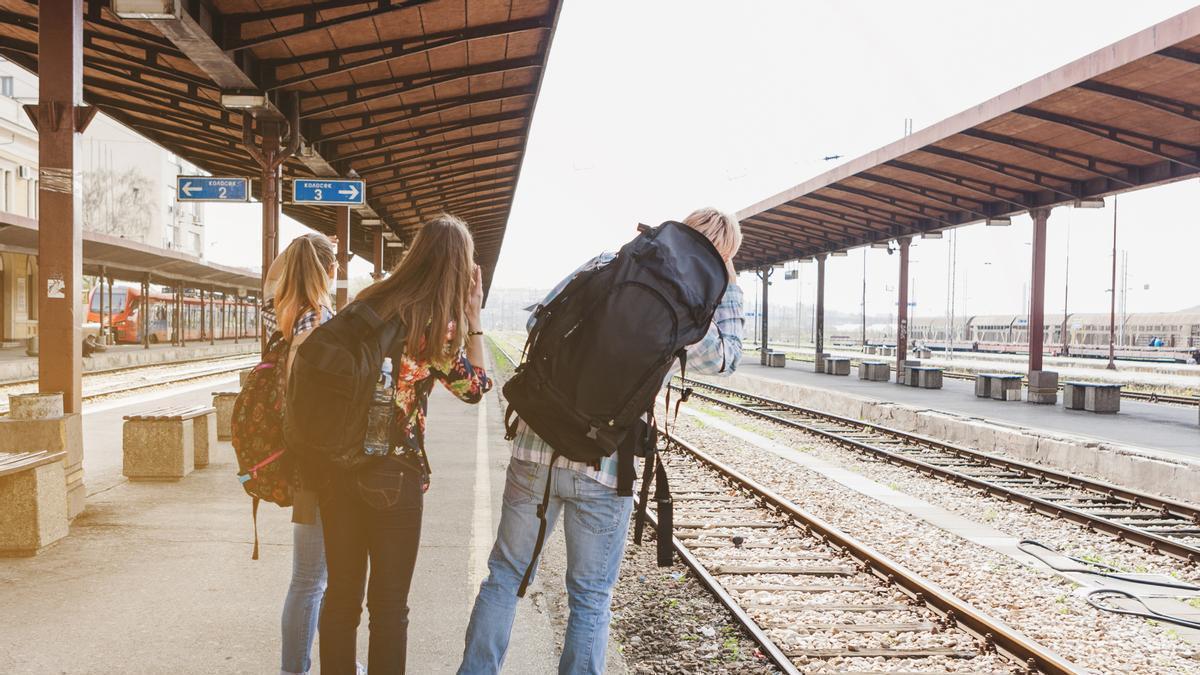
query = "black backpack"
x=330 y=389
x=598 y=353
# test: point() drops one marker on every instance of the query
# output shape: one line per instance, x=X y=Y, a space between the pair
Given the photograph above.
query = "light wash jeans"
x=596 y=522
x=303 y=605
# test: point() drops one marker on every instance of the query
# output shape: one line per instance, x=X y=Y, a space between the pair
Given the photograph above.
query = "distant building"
x=128 y=190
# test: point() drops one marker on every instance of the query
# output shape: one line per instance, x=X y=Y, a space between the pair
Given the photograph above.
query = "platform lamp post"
x=1112 y=311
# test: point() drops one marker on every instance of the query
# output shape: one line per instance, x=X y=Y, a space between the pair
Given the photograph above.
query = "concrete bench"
x=902 y=372
x=924 y=354
x=776 y=359
x=872 y=349
x=837 y=366
x=819 y=361
x=1092 y=397
x=33 y=501
x=874 y=371
x=167 y=443
x=924 y=377
x=1000 y=386
x=1043 y=387
x=223 y=402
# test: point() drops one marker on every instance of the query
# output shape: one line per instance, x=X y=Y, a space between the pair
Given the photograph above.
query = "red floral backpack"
x=264 y=469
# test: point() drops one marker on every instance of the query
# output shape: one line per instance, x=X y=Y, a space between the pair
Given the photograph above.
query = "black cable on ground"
x=1098 y=569
x=1096 y=597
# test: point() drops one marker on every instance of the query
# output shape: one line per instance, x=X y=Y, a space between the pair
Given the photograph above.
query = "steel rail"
x=1154 y=542
x=140 y=366
x=994 y=633
x=125 y=389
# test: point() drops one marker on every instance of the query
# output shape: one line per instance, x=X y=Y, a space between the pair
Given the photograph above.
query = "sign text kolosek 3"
x=328 y=191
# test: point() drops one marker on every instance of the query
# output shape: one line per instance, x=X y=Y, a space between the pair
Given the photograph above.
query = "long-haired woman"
x=375 y=513
x=298 y=301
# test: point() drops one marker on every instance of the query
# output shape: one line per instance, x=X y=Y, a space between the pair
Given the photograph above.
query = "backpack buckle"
x=593 y=432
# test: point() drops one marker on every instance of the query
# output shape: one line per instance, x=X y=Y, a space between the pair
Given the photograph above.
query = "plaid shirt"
x=306 y=322
x=718 y=353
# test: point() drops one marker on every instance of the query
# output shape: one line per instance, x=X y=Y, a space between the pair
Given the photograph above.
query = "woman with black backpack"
x=374 y=512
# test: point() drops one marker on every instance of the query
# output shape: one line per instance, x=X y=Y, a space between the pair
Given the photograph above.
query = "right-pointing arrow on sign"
x=352 y=192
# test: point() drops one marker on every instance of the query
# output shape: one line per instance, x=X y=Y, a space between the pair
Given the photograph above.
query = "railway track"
x=818 y=600
x=127 y=380
x=1160 y=525
x=814 y=598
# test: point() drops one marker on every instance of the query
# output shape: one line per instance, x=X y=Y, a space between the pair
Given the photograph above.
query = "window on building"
x=6 y=86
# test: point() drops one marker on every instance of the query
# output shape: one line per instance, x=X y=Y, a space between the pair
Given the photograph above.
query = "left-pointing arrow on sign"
x=188 y=189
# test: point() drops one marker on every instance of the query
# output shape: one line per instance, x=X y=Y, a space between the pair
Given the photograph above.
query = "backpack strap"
x=541 y=536
x=511 y=418
x=639 y=523
x=665 y=511
x=254 y=516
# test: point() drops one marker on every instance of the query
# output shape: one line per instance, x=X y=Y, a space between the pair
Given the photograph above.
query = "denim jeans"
x=303 y=603
x=374 y=515
x=595 y=525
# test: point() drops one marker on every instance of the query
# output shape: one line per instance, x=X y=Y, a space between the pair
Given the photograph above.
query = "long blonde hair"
x=429 y=288
x=304 y=283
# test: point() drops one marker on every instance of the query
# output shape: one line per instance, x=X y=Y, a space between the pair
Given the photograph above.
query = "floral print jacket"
x=414 y=381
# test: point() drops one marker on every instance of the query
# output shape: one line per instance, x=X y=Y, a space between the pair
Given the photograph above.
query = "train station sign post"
x=342 y=193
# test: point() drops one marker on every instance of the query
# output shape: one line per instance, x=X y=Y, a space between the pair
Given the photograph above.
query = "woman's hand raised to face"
x=475 y=300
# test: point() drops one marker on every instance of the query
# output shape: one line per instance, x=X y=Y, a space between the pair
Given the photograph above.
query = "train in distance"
x=1156 y=336
x=127 y=315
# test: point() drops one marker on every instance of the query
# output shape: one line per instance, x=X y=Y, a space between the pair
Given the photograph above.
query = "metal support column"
x=764 y=273
x=902 y=310
x=1037 y=290
x=203 y=325
x=819 y=338
x=378 y=274
x=212 y=315
x=60 y=117
x=112 y=336
x=343 y=256
x=100 y=294
x=144 y=312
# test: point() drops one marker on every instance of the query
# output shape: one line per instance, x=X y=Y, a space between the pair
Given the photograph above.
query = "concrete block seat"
x=33 y=501
x=777 y=359
x=167 y=443
x=924 y=377
x=874 y=371
x=837 y=366
x=223 y=402
x=1092 y=396
x=1000 y=386
x=1043 y=387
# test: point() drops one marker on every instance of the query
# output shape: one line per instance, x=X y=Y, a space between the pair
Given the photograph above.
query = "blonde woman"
x=374 y=513
x=297 y=302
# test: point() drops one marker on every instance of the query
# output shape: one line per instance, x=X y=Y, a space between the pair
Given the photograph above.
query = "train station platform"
x=1152 y=447
x=16 y=365
x=157 y=577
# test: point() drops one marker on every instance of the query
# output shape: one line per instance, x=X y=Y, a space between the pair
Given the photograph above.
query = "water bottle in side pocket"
x=379 y=417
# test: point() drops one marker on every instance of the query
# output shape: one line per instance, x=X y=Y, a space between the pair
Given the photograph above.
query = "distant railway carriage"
x=233 y=317
x=1165 y=336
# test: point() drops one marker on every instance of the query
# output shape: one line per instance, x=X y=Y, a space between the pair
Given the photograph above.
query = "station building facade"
x=128 y=191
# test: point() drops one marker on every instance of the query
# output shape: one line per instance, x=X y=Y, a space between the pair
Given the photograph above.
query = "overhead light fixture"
x=1095 y=203
x=805 y=260
x=931 y=235
x=998 y=222
x=148 y=10
x=395 y=244
x=881 y=244
x=839 y=254
x=243 y=101
x=370 y=221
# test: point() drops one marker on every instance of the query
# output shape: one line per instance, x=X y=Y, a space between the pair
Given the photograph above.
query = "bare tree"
x=119 y=203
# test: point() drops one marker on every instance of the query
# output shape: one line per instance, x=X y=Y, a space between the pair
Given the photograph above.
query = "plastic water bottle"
x=379 y=416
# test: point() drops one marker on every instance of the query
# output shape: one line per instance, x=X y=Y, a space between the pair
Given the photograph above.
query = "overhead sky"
x=650 y=109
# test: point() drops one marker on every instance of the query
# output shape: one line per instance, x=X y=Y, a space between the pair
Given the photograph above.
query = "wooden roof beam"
x=801 y=211
x=309 y=14
x=403 y=157
x=1131 y=139
x=1181 y=109
x=975 y=185
x=900 y=207
x=950 y=199
x=759 y=228
x=367 y=121
x=394 y=173
x=345 y=59
x=450 y=178
x=1031 y=177
x=394 y=86
x=824 y=231
x=1078 y=160
x=394 y=140
x=877 y=218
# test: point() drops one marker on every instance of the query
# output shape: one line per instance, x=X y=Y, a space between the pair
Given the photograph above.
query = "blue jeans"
x=303 y=604
x=595 y=526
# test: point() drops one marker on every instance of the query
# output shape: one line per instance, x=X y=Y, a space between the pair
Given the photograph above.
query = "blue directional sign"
x=328 y=191
x=211 y=189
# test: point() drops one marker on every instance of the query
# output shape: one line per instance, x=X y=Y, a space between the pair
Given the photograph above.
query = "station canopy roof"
x=429 y=101
x=129 y=260
x=1122 y=118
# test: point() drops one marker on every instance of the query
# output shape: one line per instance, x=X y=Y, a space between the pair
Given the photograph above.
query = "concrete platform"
x=1149 y=425
x=16 y=366
x=158 y=577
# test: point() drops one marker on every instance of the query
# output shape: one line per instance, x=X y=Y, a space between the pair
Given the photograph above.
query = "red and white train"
x=233 y=318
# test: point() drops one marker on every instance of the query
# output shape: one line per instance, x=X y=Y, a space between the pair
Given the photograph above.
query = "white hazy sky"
x=651 y=109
